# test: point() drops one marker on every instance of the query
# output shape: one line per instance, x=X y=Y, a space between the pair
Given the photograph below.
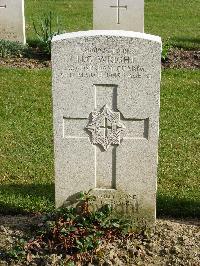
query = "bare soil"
x=174 y=242
x=26 y=63
x=182 y=59
x=176 y=59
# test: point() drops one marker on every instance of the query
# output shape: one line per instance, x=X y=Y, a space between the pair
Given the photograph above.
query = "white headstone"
x=106 y=87
x=12 y=21
x=118 y=15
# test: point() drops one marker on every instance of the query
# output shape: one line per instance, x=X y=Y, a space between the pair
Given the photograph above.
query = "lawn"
x=177 y=20
x=26 y=145
x=179 y=151
x=26 y=142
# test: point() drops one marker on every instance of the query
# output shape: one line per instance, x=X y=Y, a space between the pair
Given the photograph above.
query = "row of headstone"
x=106 y=16
x=106 y=87
x=12 y=20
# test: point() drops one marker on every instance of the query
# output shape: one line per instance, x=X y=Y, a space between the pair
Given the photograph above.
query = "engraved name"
x=124 y=204
x=109 y=59
x=105 y=62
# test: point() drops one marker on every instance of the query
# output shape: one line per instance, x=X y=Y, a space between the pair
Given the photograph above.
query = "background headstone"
x=118 y=15
x=106 y=87
x=12 y=21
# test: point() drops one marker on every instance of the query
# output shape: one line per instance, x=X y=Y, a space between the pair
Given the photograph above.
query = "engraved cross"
x=105 y=129
x=118 y=7
x=106 y=126
x=2 y=6
x=112 y=127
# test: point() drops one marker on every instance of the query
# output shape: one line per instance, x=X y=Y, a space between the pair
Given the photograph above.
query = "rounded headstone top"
x=115 y=33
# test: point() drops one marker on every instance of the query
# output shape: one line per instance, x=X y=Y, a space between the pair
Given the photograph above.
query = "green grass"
x=174 y=19
x=177 y=20
x=26 y=142
x=179 y=160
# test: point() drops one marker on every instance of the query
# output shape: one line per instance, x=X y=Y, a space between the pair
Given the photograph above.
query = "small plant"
x=18 y=251
x=11 y=49
x=45 y=31
x=165 y=50
x=75 y=233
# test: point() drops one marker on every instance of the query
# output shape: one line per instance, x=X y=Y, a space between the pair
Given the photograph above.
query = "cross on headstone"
x=106 y=126
x=105 y=144
x=118 y=6
x=3 y=6
x=109 y=127
x=118 y=15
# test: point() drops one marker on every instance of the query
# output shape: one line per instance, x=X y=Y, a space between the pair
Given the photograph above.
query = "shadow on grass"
x=31 y=198
x=186 y=42
x=175 y=207
x=26 y=198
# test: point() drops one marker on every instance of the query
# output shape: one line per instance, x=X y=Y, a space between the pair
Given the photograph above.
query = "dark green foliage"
x=165 y=50
x=77 y=229
x=47 y=28
x=12 y=49
x=75 y=232
x=17 y=252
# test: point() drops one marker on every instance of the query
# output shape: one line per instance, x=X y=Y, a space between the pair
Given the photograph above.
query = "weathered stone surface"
x=12 y=21
x=118 y=15
x=106 y=87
